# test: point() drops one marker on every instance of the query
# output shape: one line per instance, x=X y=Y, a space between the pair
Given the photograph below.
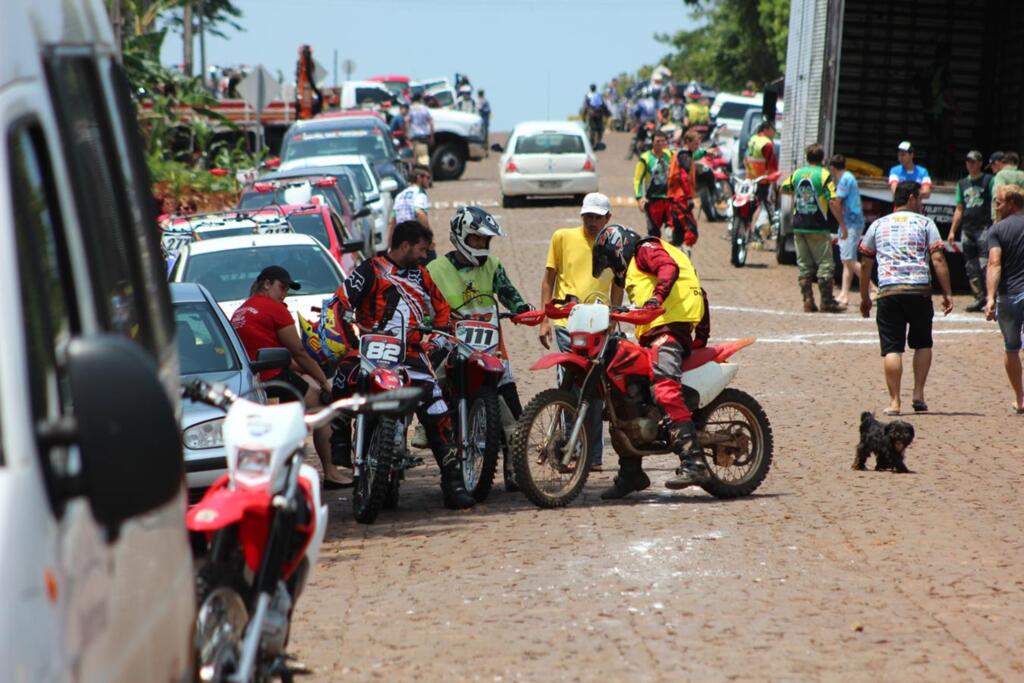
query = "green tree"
x=738 y=41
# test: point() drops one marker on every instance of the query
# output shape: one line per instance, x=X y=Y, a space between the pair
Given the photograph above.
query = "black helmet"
x=472 y=220
x=613 y=248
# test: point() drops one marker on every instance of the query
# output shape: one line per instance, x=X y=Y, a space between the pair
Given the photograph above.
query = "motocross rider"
x=394 y=293
x=470 y=271
x=660 y=275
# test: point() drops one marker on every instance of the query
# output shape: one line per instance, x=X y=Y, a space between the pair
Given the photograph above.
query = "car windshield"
x=362 y=177
x=311 y=224
x=229 y=274
x=395 y=87
x=203 y=344
x=735 y=110
x=348 y=189
x=550 y=143
x=251 y=199
x=366 y=142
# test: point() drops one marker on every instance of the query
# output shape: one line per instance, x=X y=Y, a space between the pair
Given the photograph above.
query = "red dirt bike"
x=551 y=446
x=744 y=205
x=470 y=374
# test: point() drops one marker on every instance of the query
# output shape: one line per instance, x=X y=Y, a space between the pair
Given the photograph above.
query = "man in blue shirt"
x=848 y=194
x=908 y=170
x=483 y=108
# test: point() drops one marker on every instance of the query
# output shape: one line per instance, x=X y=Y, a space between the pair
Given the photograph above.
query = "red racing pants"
x=667 y=354
x=667 y=211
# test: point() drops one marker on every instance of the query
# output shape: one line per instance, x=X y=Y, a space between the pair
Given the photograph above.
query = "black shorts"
x=896 y=313
x=291 y=379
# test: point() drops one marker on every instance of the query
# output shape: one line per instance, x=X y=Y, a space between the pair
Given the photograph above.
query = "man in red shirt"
x=263 y=321
x=394 y=293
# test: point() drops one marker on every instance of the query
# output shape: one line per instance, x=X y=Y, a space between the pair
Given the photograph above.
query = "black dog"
x=887 y=441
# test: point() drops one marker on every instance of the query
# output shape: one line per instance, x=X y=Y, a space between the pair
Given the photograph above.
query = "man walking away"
x=421 y=129
x=1006 y=173
x=1006 y=276
x=595 y=109
x=483 y=108
x=848 y=193
x=814 y=195
x=908 y=170
x=973 y=211
x=569 y=275
x=902 y=243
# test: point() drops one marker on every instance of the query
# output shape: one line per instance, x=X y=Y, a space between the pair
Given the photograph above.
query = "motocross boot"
x=631 y=477
x=807 y=291
x=453 y=488
x=692 y=470
x=828 y=302
x=341 y=441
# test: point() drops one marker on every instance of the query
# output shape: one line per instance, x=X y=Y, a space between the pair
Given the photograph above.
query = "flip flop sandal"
x=890 y=412
x=330 y=484
x=1016 y=410
x=920 y=406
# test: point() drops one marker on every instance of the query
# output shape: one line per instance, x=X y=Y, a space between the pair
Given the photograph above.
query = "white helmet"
x=472 y=220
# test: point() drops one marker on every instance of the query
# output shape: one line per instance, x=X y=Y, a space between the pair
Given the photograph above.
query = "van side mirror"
x=125 y=427
x=275 y=358
x=496 y=147
x=389 y=185
x=352 y=246
x=362 y=213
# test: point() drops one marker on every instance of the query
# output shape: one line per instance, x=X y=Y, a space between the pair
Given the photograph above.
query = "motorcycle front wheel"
x=220 y=620
x=542 y=433
x=740 y=242
x=480 y=460
x=371 y=486
x=738 y=444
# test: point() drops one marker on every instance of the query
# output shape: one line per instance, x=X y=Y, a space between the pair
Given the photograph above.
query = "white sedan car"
x=546 y=158
x=228 y=266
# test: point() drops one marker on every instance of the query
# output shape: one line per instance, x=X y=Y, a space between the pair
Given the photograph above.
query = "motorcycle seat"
x=718 y=353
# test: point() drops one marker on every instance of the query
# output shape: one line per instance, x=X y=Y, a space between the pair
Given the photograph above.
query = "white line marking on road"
x=951 y=318
x=848 y=338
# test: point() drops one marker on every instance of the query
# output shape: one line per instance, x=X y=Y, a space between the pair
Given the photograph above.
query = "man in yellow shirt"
x=569 y=275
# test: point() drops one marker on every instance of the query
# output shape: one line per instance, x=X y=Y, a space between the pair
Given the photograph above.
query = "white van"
x=95 y=566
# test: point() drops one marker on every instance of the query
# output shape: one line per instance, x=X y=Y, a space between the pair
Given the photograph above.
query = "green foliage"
x=738 y=41
x=217 y=14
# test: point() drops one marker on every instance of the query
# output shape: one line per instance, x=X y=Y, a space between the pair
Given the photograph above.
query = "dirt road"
x=825 y=574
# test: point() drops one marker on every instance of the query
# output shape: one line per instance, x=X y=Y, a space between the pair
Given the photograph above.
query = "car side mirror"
x=272 y=162
x=362 y=213
x=496 y=147
x=125 y=428
x=352 y=246
x=274 y=358
x=389 y=185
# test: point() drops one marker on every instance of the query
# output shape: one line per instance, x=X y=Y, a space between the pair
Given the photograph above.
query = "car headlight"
x=253 y=464
x=476 y=130
x=204 y=435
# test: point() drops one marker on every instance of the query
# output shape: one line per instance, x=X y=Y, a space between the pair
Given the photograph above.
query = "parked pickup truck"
x=458 y=136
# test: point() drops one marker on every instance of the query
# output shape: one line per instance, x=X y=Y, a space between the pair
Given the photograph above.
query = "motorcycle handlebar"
x=395 y=402
x=634 y=316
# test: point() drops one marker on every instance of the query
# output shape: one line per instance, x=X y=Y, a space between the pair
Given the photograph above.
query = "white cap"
x=905 y=146
x=597 y=203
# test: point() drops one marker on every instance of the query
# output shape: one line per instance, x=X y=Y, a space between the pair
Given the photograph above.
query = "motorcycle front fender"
x=221 y=507
x=553 y=359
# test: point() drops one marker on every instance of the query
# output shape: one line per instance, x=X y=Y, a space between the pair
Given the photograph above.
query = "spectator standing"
x=413 y=204
x=848 y=194
x=398 y=121
x=814 y=195
x=973 y=214
x=1006 y=173
x=1006 y=277
x=483 y=107
x=908 y=170
x=570 y=275
x=595 y=108
x=902 y=243
x=650 y=184
x=760 y=160
x=421 y=129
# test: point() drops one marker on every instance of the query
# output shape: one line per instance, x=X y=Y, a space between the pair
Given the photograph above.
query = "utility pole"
x=202 y=43
x=187 y=39
x=116 y=20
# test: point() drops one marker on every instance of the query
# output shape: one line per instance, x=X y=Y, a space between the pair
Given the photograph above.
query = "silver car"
x=209 y=349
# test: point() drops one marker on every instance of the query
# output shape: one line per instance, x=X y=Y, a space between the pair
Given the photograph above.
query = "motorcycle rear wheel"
x=481 y=462
x=371 y=486
x=543 y=429
x=738 y=415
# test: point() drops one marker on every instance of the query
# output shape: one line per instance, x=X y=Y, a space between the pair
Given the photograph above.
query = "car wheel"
x=448 y=162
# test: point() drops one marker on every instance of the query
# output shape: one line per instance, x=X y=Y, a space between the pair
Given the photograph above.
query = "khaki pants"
x=421 y=152
x=814 y=255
